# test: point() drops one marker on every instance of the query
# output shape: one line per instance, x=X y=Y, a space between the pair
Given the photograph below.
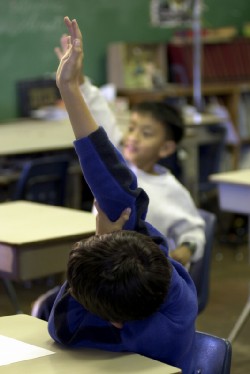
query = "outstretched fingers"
x=60 y=51
x=73 y=29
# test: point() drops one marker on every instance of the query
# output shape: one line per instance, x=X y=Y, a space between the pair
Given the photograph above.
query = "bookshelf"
x=222 y=60
x=229 y=94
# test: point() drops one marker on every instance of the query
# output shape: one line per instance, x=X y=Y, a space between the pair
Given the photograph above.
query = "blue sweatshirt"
x=168 y=334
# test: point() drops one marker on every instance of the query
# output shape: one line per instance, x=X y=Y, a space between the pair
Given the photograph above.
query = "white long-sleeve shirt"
x=171 y=209
x=100 y=110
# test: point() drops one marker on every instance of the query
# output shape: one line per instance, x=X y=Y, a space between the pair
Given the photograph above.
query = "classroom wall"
x=29 y=30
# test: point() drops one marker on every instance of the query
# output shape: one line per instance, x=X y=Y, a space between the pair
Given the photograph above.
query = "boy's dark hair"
x=119 y=276
x=165 y=114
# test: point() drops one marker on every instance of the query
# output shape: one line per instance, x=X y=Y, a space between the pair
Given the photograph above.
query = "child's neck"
x=149 y=168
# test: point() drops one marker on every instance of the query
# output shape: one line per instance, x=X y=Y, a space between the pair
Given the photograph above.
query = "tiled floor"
x=229 y=292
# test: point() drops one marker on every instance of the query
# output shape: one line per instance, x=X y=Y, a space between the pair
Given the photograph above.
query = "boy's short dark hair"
x=120 y=276
x=165 y=114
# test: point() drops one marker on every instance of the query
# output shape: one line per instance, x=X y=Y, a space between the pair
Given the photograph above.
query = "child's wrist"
x=68 y=87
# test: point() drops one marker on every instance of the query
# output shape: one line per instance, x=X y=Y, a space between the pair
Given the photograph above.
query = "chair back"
x=43 y=180
x=34 y=94
x=200 y=270
x=210 y=157
x=212 y=354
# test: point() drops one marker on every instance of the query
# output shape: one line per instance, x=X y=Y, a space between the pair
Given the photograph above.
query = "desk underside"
x=34 y=261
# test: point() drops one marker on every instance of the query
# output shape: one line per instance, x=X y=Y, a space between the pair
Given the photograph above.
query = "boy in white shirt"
x=154 y=132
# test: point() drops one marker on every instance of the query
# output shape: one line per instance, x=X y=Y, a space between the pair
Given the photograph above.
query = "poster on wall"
x=171 y=13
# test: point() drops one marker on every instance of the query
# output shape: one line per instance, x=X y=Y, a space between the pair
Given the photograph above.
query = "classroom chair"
x=200 y=270
x=11 y=292
x=44 y=180
x=210 y=159
x=35 y=93
x=212 y=354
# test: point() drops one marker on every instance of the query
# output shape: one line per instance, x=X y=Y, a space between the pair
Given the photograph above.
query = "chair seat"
x=212 y=354
x=200 y=270
x=42 y=180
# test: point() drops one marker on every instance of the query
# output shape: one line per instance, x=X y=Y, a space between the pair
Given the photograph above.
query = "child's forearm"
x=81 y=119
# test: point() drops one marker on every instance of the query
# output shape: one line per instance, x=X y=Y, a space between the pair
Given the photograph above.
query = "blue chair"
x=210 y=156
x=212 y=354
x=200 y=270
x=44 y=181
x=10 y=290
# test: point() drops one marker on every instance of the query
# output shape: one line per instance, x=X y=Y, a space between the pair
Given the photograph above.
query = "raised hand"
x=67 y=79
x=60 y=52
x=71 y=55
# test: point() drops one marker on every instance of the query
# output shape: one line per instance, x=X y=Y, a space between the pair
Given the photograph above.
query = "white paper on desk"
x=12 y=350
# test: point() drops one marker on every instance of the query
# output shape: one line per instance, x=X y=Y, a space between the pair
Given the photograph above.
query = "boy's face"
x=145 y=142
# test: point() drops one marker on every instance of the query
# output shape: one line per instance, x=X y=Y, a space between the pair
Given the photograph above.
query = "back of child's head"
x=168 y=115
x=120 y=276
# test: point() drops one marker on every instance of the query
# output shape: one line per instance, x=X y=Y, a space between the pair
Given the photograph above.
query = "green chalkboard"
x=30 y=29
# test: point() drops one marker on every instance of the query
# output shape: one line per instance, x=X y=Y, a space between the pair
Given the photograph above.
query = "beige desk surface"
x=24 y=222
x=234 y=190
x=239 y=177
x=30 y=136
x=203 y=119
x=35 y=239
x=34 y=331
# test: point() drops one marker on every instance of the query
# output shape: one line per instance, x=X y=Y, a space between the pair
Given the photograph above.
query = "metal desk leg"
x=246 y=311
x=12 y=295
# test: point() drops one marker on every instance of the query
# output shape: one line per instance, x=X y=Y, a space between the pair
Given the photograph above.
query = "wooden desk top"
x=175 y=90
x=234 y=190
x=239 y=177
x=24 y=222
x=203 y=119
x=31 y=136
x=85 y=361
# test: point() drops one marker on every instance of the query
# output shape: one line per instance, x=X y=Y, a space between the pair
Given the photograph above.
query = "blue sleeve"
x=114 y=186
x=112 y=183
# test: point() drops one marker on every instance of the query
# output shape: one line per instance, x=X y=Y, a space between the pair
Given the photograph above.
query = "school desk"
x=35 y=239
x=64 y=361
x=29 y=136
x=234 y=196
x=200 y=131
x=32 y=136
x=26 y=137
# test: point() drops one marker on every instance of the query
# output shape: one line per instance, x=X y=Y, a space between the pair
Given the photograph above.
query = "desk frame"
x=237 y=184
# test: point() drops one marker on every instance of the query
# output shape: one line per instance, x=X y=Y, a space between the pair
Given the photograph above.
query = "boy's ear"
x=118 y=325
x=167 y=149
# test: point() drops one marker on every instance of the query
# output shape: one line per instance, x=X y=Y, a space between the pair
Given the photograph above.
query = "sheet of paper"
x=12 y=350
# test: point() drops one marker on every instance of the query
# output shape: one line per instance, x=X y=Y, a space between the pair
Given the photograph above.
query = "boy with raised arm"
x=123 y=292
x=154 y=131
